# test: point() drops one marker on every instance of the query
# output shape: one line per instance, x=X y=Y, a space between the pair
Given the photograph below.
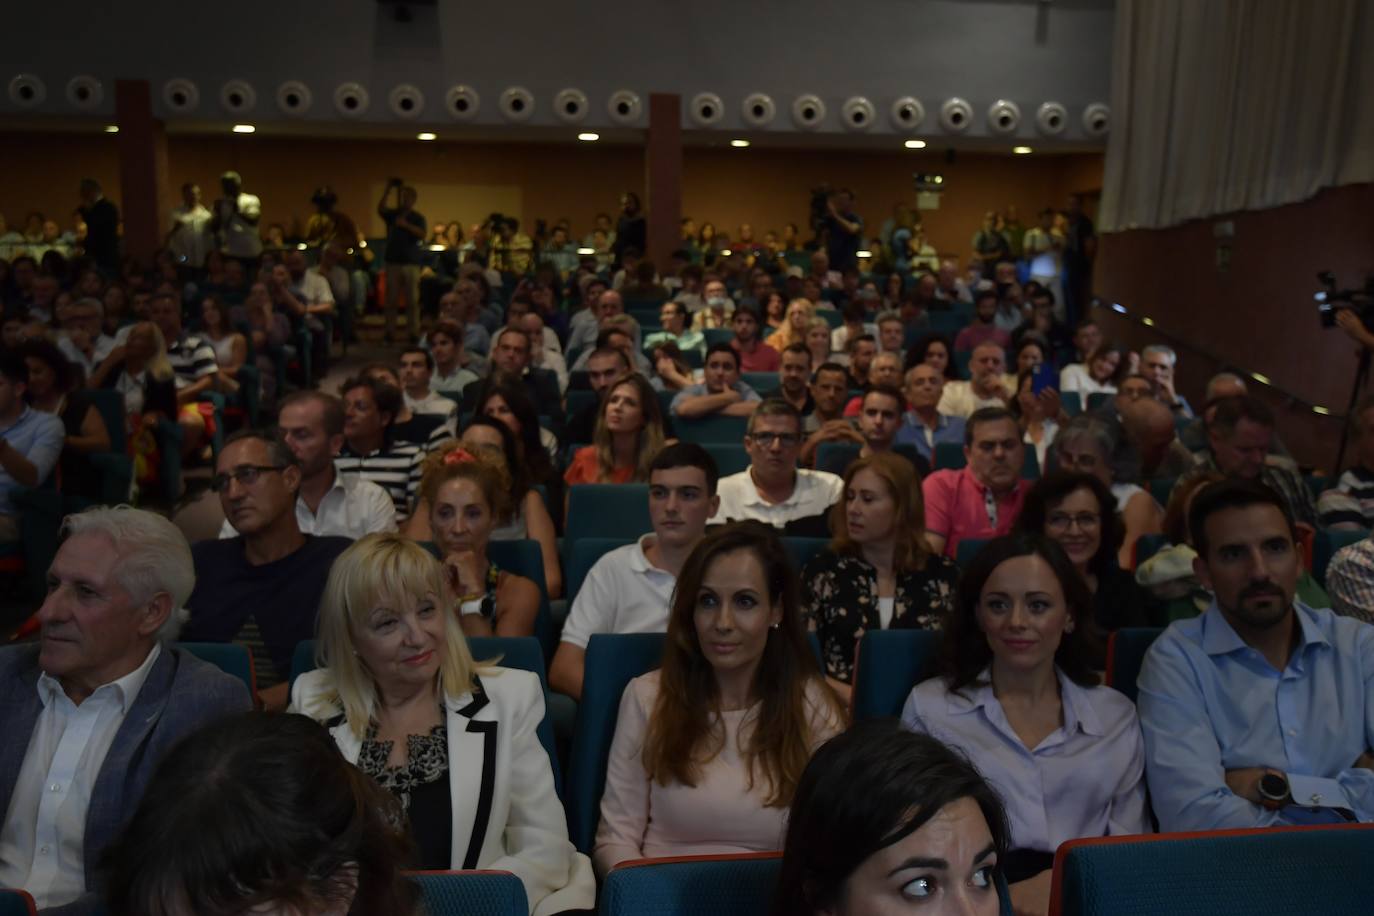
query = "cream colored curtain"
x=1223 y=105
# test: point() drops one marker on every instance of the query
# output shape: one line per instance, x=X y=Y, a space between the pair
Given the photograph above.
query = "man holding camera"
x=844 y=227
x=405 y=231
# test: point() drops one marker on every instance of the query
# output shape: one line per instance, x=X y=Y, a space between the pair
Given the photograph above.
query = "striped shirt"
x=192 y=359
x=395 y=467
x=1350 y=503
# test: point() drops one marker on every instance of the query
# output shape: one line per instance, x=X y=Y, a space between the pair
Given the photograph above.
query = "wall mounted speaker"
x=858 y=113
x=180 y=95
x=406 y=101
x=85 y=92
x=808 y=111
x=517 y=104
x=1051 y=118
x=351 y=100
x=956 y=115
x=463 y=102
x=706 y=109
x=908 y=113
x=1004 y=117
x=570 y=106
x=27 y=91
x=758 y=109
x=237 y=97
x=1097 y=119
x=624 y=106
x=294 y=98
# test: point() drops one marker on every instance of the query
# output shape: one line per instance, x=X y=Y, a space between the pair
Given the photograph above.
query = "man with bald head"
x=986 y=389
x=1149 y=426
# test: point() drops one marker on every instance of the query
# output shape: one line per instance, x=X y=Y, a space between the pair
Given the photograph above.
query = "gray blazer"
x=181 y=694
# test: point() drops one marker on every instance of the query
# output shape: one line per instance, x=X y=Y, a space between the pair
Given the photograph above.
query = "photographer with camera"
x=326 y=225
x=843 y=228
x=512 y=251
x=405 y=233
x=234 y=220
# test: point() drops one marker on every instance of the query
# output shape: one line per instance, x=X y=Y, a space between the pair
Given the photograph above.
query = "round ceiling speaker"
x=1097 y=119
x=517 y=104
x=956 y=115
x=1051 y=118
x=908 y=113
x=406 y=101
x=858 y=113
x=237 y=96
x=85 y=92
x=351 y=100
x=294 y=98
x=463 y=103
x=808 y=111
x=624 y=106
x=706 y=109
x=570 y=106
x=758 y=109
x=27 y=91
x=1004 y=117
x=180 y=95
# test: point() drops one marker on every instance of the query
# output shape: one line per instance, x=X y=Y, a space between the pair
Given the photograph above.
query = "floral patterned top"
x=422 y=786
x=840 y=602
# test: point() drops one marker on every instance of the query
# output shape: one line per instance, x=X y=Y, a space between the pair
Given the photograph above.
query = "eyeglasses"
x=767 y=439
x=247 y=476
x=1060 y=521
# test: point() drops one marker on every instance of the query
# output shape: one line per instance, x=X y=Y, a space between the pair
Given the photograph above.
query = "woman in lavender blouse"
x=1019 y=698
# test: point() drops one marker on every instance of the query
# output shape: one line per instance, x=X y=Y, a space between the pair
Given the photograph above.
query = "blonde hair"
x=783 y=337
x=159 y=366
x=382 y=567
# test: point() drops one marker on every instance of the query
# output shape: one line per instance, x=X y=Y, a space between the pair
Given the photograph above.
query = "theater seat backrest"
x=471 y=893
x=888 y=665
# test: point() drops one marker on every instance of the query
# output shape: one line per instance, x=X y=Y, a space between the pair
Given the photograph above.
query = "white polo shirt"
x=436 y=404
x=623 y=593
x=351 y=508
x=815 y=492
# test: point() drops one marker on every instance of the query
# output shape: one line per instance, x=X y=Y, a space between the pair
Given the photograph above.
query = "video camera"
x=1331 y=300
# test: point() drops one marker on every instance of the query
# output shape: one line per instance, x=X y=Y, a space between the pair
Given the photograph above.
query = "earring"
x=775 y=626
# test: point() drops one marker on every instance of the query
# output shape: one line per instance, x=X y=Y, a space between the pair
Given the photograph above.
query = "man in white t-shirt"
x=417 y=367
x=773 y=489
x=190 y=241
x=235 y=219
x=630 y=589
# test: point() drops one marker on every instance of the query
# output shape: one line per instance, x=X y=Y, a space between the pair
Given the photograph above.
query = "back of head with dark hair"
x=1052 y=489
x=1232 y=493
x=862 y=791
x=985 y=415
x=687 y=455
x=966 y=650
x=829 y=367
x=13 y=367
x=40 y=348
x=277 y=450
x=294 y=824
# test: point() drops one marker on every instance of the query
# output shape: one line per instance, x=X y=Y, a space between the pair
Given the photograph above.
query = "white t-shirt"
x=352 y=508
x=623 y=593
x=1075 y=377
x=814 y=493
x=239 y=237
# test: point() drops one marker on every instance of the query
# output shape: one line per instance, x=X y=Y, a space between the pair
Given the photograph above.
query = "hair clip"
x=459 y=455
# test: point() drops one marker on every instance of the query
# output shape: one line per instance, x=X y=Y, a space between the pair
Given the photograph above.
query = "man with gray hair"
x=89 y=710
x=1157 y=363
x=83 y=340
x=263 y=587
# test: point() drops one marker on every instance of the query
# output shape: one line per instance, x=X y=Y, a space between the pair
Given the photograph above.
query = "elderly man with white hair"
x=88 y=710
x=1157 y=363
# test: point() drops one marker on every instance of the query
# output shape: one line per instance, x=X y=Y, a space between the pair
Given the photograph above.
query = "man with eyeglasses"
x=983 y=498
x=260 y=589
x=773 y=489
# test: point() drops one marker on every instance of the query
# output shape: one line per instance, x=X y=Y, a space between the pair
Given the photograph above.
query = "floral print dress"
x=840 y=603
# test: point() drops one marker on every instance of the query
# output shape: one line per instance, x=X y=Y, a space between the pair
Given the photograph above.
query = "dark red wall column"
x=664 y=179
x=142 y=170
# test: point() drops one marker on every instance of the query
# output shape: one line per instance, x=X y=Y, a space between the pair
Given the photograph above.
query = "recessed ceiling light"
x=589 y=137
x=739 y=144
x=915 y=144
x=583 y=252
x=426 y=136
x=244 y=128
x=1022 y=150
x=111 y=128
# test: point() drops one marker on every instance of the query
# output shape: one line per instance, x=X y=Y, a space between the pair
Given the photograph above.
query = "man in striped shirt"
x=370 y=407
x=194 y=364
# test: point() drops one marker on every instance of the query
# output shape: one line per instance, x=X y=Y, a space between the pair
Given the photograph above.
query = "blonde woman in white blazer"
x=454 y=741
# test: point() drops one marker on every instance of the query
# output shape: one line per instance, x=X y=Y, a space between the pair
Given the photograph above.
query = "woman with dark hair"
x=708 y=750
x=505 y=398
x=629 y=434
x=52 y=389
x=1099 y=373
x=258 y=813
x=1035 y=414
x=1077 y=511
x=231 y=347
x=935 y=350
x=877 y=807
x=1018 y=696
x=877 y=573
x=1092 y=446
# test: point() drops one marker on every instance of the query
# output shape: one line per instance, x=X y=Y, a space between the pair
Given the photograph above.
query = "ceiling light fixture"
x=244 y=128
x=739 y=144
x=588 y=137
x=915 y=144
x=1022 y=150
x=426 y=136
x=111 y=128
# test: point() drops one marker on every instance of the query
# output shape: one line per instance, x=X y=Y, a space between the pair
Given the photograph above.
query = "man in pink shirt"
x=983 y=498
x=754 y=354
x=984 y=328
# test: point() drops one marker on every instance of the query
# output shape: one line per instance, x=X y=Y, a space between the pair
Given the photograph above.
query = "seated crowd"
x=802 y=485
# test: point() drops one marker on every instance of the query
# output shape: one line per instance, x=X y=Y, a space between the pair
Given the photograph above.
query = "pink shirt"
x=721 y=814
x=956 y=507
x=762 y=358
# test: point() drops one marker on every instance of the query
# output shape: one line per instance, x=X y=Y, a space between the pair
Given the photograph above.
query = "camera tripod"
x=1361 y=377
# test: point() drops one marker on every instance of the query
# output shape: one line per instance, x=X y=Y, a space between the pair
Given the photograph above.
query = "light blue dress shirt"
x=1084 y=779
x=924 y=439
x=1209 y=703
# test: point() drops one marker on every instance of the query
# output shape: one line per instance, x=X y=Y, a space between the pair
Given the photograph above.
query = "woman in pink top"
x=708 y=750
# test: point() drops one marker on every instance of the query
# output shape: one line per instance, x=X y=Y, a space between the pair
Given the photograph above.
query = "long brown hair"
x=649 y=438
x=685 y=730
x=909 y=549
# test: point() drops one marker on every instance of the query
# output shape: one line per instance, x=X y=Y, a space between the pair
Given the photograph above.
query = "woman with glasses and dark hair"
x=1077 y=511
x=887 y=821
x=877 y=573
x=258 y=813
x=1091 y=446
x=1020 y=698
x=708 y=750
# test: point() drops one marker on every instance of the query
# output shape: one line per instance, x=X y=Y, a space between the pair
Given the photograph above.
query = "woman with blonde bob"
x=467 y=494
x=629 y=434
x=794 y=325
x=452 y=739
x=708 y=750
x=877 y=572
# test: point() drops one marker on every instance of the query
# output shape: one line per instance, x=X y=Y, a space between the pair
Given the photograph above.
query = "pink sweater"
x=721 y=814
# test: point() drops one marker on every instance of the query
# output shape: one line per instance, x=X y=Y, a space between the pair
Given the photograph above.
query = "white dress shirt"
x=43 y=843
x=435 y=403
x=351 y=508
x=814 y=493
x=103 y=346
x=623 y=593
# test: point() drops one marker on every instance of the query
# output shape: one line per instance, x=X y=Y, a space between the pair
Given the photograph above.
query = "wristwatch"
x=1273 y=791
